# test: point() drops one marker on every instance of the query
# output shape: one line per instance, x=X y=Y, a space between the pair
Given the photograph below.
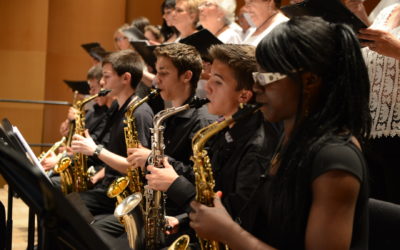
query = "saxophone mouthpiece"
x=198 y=102
x=245 y=110
x=104 y=92
x=154 y=92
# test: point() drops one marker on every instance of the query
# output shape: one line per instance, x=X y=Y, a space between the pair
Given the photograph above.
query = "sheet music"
x=29 y=151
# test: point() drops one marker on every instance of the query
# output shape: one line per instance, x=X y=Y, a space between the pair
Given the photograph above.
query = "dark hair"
x=168 y=31
x=126 y=61
x=240 y=58
x=95 y=72
x=184 y=57
x=332 y=52
x=140 y=23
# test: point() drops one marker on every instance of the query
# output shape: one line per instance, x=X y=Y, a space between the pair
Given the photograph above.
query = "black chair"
x=62 y=227
x=384 y=225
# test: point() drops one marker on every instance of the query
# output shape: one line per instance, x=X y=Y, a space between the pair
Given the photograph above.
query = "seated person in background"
x=314 y=193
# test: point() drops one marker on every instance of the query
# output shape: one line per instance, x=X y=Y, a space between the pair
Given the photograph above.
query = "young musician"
x=239 y=152
x=122 y=72
x=178 y=70
x=94 y=117
x=314 y=193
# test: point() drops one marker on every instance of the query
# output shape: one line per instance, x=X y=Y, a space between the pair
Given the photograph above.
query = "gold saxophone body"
x=202 y=166
x=155 y=222
x=62 y=167
x=128 y=190
x=78 y=181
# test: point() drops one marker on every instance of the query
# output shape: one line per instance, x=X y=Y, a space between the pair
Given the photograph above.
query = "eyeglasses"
x=207 y=4
x=267 y=78
x=117 y=39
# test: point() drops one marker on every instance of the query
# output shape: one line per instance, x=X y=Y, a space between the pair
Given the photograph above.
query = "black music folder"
x=202 y=41
x=133 y=34
x=95 y=50
x=146 y=51
x=331 y=10
x=81 y=86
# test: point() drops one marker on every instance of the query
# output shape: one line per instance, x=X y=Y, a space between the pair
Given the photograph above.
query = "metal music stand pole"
x=9 y=225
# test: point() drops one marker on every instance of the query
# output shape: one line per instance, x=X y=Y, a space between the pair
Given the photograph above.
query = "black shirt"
x=337 y=154
x=238 y=156
x=115 y=124
x=179 y=131
x=94 y=120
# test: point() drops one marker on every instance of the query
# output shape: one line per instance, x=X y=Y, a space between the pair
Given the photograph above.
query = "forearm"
x=237 y=238
x=115 y=161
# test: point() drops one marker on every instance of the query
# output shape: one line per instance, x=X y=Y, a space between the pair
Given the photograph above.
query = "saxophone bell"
x=124 y=213
x=182 y=243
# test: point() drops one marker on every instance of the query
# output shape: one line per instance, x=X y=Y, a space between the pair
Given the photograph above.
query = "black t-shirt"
x=337 y=154
x=143 y=119
x=95 y=120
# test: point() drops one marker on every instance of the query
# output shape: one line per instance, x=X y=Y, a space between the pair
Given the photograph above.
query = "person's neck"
x=124 y=95
x=217 y=28
x=267 y=22
x=187 y=31
x=182 y=98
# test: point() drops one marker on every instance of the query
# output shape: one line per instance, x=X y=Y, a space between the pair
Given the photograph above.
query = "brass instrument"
x=80 y=175
x=62 y=167
x=129 y=189
x=155 y=222
x=79 y=181
x=202 y=167
x=53 y=148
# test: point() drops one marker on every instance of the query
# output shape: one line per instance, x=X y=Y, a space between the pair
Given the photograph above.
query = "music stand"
x=62 y=226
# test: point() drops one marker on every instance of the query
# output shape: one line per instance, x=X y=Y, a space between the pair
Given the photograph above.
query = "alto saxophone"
x=128 y=190
x=79 y=178
x=155 y=222
x=62 y=167
x=202 y=167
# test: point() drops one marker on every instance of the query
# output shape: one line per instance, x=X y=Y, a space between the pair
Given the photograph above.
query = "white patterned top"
x=384 y=75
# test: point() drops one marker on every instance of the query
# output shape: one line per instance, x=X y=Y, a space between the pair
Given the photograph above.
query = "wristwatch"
x=98 y=150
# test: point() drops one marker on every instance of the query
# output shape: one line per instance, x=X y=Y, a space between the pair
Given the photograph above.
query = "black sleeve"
x=181 y=192
x=144 y=121
x=338 y=157
x=250 y=168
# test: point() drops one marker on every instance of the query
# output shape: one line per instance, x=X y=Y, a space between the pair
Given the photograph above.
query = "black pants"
x=383 y=160
x=98 y=202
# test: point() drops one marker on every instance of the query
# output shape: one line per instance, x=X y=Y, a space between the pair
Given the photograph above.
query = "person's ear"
x=187 y=76
x=127 y=77
x=245 y=95
x=311 y=82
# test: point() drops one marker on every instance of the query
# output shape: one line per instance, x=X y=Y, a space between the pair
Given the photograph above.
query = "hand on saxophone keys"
x=172 y=225
x=137 y=157
x=210 y=222
x=83 y=145
x=160 y=179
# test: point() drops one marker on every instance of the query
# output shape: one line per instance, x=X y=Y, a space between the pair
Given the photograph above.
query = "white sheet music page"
x=29 y=152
